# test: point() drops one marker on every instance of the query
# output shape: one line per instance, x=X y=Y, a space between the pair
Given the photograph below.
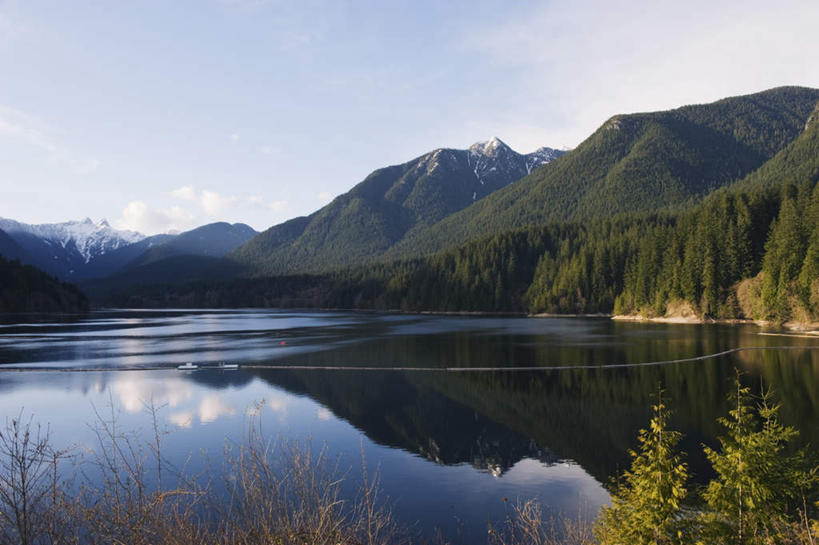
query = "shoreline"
x=805 y=329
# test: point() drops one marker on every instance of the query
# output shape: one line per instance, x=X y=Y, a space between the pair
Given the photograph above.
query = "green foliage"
x=390 y=204
x=643 y=163
x=749 y=251
x=759 y=485
x=645 y=505
x=24 y=288
x=638 y=163
x=763 y=491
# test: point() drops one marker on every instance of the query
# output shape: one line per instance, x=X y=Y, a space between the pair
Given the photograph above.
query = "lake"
x=454 y=448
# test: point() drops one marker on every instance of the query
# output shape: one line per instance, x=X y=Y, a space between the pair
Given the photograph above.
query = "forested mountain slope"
x=211 y=240
x=387 y=206
x=24 y=288
x=635 y=163
x=751 y=250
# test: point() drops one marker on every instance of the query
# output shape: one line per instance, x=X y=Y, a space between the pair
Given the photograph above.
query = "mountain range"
x=82 y=250
x=388 y=206
x=655 y=161
x=493 y=229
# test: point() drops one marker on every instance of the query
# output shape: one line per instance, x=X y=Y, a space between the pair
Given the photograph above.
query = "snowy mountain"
x=391 y=203
x=86 y=238
x=495 y=163
x=65 y=249
x=80 y=250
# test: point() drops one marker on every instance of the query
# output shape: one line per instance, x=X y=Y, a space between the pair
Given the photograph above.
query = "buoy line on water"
x=19 y=369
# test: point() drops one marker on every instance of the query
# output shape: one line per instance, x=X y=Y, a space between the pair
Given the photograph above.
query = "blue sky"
x=165 y=115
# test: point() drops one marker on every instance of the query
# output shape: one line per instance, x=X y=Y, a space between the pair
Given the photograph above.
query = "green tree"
x=758 y=486
x=645 y=504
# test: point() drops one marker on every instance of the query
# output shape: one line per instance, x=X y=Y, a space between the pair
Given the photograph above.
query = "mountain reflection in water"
x=472 y=438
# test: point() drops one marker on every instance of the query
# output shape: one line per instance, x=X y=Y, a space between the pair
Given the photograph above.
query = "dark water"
x=454 y=449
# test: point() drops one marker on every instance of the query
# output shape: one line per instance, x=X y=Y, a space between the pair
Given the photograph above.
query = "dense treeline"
x=751 y=254
x=24 y=288
x=747 y=250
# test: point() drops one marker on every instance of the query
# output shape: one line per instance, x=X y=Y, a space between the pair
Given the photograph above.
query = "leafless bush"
x=31 y=495
x=526 y=525
x=275 y=492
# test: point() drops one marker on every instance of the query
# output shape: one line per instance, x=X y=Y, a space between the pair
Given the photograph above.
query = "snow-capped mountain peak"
x=87 y=238
x=493 y=161
x=490 y=148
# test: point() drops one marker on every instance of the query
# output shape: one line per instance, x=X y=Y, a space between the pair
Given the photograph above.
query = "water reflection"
x=473 y=438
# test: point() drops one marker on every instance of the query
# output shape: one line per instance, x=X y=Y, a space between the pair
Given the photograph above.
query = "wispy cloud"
x=324 y=196
x=186 y=193
x=212 y=407
x=277 y=206
x=212 y=202
x=571 y=65
x=24 y=128
x=182 y=419
x=234 y=137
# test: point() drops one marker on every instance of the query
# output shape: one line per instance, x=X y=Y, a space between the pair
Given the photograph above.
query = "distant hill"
x=389 y=205
x=170 y=271
x=636 y=163
x=111 y=262
x=10 y=249
x=79 y=251
x=24 y=288
x=212 y=240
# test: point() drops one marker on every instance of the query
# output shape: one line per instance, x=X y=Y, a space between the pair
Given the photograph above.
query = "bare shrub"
x=526 y=525
x=31 y=496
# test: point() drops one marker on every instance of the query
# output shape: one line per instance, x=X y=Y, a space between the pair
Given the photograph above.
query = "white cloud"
x=213 y=203
x=138 y=216
x=185 y=192
x=277 y=206
x=212 y=407
x=135 y=393
x=323 y=414
x=324 y=196
x=183 y=419
x=278 y=404
x=234 y=137
x=255 y=200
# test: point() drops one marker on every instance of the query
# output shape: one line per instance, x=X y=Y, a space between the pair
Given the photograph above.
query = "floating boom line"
x=401 y=368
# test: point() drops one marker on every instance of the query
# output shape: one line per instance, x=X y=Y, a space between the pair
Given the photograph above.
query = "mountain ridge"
x=81 y=250
x=684 y=154
x=389 y=203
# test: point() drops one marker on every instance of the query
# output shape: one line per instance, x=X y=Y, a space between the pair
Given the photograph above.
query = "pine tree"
x=758 y=485
x=645 y=505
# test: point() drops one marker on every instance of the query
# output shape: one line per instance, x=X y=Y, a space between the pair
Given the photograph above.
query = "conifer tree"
x=645 y=505
x=758 y=485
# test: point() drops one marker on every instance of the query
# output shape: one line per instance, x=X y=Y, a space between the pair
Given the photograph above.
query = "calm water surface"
x=454 y=449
